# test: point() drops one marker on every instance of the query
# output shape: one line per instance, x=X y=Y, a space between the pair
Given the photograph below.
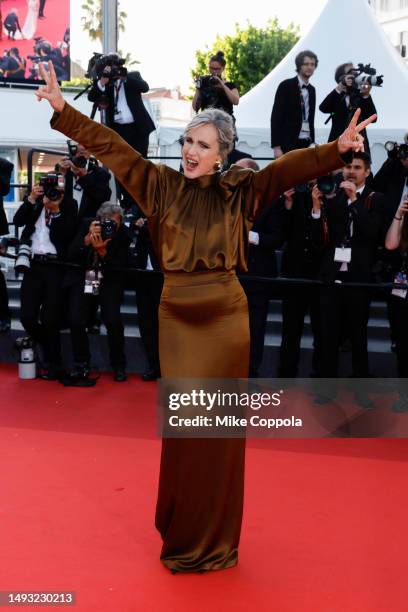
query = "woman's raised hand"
x=351 y=139
x=51 y=90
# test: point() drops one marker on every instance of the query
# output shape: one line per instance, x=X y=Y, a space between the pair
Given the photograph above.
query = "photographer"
x=212 y=91
x=349 y=230
x=48 y=217
x=301 y=258
x=100 y=247
x=86 y=180
x=397 y=240
x=347 y=96
x=11 y=64
x=118 y=93
x=6 y=169
x=11 y=24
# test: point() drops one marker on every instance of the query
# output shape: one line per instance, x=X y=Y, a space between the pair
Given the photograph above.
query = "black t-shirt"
x=215 y=97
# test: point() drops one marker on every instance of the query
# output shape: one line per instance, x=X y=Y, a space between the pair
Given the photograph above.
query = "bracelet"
x=398 y=218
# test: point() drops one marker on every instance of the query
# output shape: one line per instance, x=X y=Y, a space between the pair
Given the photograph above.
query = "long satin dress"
x=200 y=232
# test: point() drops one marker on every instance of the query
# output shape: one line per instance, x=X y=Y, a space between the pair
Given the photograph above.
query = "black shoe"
x=119 y=375
x=79 y=376
x=5 y=326
x=151 y=375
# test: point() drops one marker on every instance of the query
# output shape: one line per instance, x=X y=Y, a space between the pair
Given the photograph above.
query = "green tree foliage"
x=250 y=53
x=92 y=19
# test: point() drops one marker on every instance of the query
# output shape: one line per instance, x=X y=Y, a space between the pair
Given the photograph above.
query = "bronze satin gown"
x=200 y=232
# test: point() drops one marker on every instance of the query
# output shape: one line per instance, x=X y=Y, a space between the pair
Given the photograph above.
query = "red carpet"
x=324 y=525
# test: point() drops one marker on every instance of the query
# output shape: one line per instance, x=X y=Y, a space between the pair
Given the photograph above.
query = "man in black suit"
x=344 y=100
x=86 y=181
x=300 y=259
x=12 y=24
x=6 y=168
x=265 y=236
x=126 y=113
x=293 y=112
x=351 y=223
x=49 y=226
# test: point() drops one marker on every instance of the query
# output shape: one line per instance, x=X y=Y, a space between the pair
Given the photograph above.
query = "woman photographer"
x=212 y=91
x=200 y=222
x=397 y=238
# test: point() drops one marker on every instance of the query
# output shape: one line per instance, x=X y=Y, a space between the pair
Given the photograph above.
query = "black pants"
x=350 y=306
x=140 y=142
x=4 y=307
x=148 y=292
x=296 y=303
x=41 y=307
x=258 y=302
x=41 y=8
x=299 y=144
x=111 y=294
x=398 y=308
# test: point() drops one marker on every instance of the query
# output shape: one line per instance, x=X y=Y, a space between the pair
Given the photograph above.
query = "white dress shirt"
x=40 y=239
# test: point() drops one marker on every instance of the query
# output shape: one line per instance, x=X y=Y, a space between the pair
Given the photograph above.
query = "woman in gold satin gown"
x=199 y=224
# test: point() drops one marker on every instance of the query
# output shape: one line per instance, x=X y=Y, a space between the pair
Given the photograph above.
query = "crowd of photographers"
x=338 y=235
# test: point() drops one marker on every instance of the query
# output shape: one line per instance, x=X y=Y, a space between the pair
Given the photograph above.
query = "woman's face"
x=201 y=151
x=215 y=68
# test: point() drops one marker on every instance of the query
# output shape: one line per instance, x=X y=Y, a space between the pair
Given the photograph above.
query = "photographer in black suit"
x=293 y=112
x=11 y=24
x=86 y=180
x=6 y=169
x=100 y=247
x=300 y=259
x=344 y=100
x=124 y=111
x=48 y=217
x=350 y=225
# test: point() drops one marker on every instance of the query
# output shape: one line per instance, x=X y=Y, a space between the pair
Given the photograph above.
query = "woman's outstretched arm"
x=140 y=177
x=303 y=165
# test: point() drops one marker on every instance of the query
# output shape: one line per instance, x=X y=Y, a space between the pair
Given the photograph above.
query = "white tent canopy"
x=347 y=30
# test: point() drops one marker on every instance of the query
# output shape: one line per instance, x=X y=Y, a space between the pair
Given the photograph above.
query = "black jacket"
x=95 y=191
x=117 y=255
x=62 y=228
x=303 y=245
x=390 y=180
x=335 y=104
x=134 y=87
x=6 y=168
x=368 y=220
x=286 y=118
x=262 y=259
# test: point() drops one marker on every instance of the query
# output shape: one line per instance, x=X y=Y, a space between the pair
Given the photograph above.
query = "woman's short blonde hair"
x=223 y=123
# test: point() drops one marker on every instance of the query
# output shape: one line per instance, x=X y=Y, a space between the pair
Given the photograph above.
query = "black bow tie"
x=306 y=87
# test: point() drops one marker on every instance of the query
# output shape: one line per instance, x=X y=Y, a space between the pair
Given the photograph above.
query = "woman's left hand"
x=351 y=139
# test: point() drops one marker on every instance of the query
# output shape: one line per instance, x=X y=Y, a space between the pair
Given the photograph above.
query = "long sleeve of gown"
x=144 y=180
x=293 y=169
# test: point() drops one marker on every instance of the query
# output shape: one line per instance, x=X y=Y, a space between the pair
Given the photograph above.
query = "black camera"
x=206 y=82
x=327 y=184
x=109 y=227
x=98 y=64
x=79 y=161
x=396 y=150
x=53 y=185
x=303 y=188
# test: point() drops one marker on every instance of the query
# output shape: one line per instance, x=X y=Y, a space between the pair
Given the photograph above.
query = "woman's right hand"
x=36 y=192
x=51 y=90
x=317 y=197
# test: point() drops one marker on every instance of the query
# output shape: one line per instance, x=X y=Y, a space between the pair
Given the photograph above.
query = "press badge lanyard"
x=302 y=102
